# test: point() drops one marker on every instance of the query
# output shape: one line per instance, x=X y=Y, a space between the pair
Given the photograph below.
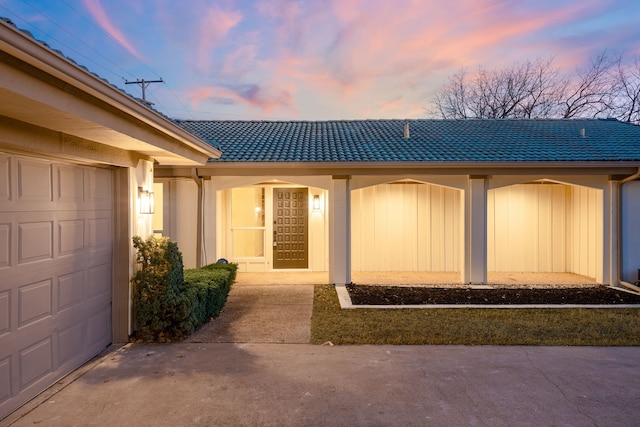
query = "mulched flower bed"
x=403 y=295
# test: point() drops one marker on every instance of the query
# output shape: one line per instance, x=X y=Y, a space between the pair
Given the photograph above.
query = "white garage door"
x=56 y=244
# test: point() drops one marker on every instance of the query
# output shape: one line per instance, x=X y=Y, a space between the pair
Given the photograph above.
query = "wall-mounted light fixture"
x=316 y=203
x=146 y=201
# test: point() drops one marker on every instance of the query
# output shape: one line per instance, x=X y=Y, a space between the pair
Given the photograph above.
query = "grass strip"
x=545 y=327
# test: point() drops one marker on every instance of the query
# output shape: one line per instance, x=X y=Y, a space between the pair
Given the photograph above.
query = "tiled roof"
x=534 y=140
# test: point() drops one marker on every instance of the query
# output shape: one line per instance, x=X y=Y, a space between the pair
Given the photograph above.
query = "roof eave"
x=439 y=164
x=36 y=54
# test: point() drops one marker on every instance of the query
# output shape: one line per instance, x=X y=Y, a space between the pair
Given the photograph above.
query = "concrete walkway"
x=249 y=368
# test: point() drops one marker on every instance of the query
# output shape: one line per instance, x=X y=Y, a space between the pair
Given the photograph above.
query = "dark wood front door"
x=290 y=235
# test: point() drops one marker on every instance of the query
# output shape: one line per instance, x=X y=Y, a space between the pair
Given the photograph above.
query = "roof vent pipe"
x=582 y=132
x=406 y=130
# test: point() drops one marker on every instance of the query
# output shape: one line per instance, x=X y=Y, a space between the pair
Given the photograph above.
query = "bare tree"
x=526 y=89
x=592 y=92
x=451 y=100
x=627 y=89
x=544 y=91
x=538 y=90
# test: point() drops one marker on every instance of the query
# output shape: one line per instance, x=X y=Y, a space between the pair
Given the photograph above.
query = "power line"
x=69 y=49
x=144 y=84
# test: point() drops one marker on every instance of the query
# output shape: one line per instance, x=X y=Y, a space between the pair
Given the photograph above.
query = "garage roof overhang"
x=41 y=87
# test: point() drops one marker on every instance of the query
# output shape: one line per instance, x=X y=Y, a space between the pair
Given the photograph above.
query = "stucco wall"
x=180 y=212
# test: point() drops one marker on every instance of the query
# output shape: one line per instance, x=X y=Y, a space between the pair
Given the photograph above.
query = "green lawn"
x=549 y=327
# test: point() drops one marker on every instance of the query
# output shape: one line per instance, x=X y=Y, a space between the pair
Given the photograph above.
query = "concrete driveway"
x=252 y=367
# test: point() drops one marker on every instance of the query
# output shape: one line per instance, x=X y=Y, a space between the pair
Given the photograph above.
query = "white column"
x=475 y=239
x=210 y=203
x=340 y=231
x=610 y=259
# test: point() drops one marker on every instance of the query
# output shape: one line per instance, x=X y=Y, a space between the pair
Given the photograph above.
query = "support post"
x=199 y=217
x=475 y=265
x=340 y=231
x=611 y=245
x=210 y=206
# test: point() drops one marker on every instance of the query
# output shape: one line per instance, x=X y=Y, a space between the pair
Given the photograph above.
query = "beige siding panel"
x=368 y=218
x=381 y=231
x=500 y=257
x=545 y=228
x=586 y=238
x=449 y=229
x=406 y=227
x=423 y=221
x=558 y=213
x=544 y=238
x=437 y=229
x=409 y=228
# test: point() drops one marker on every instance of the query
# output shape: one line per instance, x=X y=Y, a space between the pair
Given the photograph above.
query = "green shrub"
x=207 y=289
x=170 y=303
x=158 y=302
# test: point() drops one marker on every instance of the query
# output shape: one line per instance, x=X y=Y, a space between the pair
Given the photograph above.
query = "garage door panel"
x=35 y=241
x=35 y=181
x=70 y=290
x=99 y=328
x=5 y=379
x=5 y=178
x=70 y=184
x=56 y=250
x=70 y=236
x=99 y=188
x=5 y=304
x=71 y=343
x=99 y=280
x=35 y=362
x=78 y=332
x=5 y=245
x=35 y=302
x=99 y=232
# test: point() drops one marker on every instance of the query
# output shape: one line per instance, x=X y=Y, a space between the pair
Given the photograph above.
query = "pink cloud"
x=267 y=98
x=279 y=9
x=214 y=27
x=97 y=11
x=365 y=49
x=362 y=52
x=408 y=39
x=240 y=61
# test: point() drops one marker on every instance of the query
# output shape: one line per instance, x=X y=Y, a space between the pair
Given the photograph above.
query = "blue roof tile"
x=536 y=140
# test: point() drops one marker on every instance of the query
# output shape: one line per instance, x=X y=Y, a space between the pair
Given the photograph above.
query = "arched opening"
x=545 y=227
x=409 y=228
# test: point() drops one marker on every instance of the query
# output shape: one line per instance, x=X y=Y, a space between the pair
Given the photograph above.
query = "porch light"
x=146 y=201
x=316 y=203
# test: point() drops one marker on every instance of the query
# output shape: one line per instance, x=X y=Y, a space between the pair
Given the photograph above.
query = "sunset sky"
x=317 y=59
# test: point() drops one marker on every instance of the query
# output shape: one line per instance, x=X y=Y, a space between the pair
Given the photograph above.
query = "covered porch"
x=416 y=229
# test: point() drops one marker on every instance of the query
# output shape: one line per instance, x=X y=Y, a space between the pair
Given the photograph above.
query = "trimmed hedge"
x=170 y=303
x=207 y=289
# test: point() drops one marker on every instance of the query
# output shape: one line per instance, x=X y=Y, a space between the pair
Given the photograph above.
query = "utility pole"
x=143 y=84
